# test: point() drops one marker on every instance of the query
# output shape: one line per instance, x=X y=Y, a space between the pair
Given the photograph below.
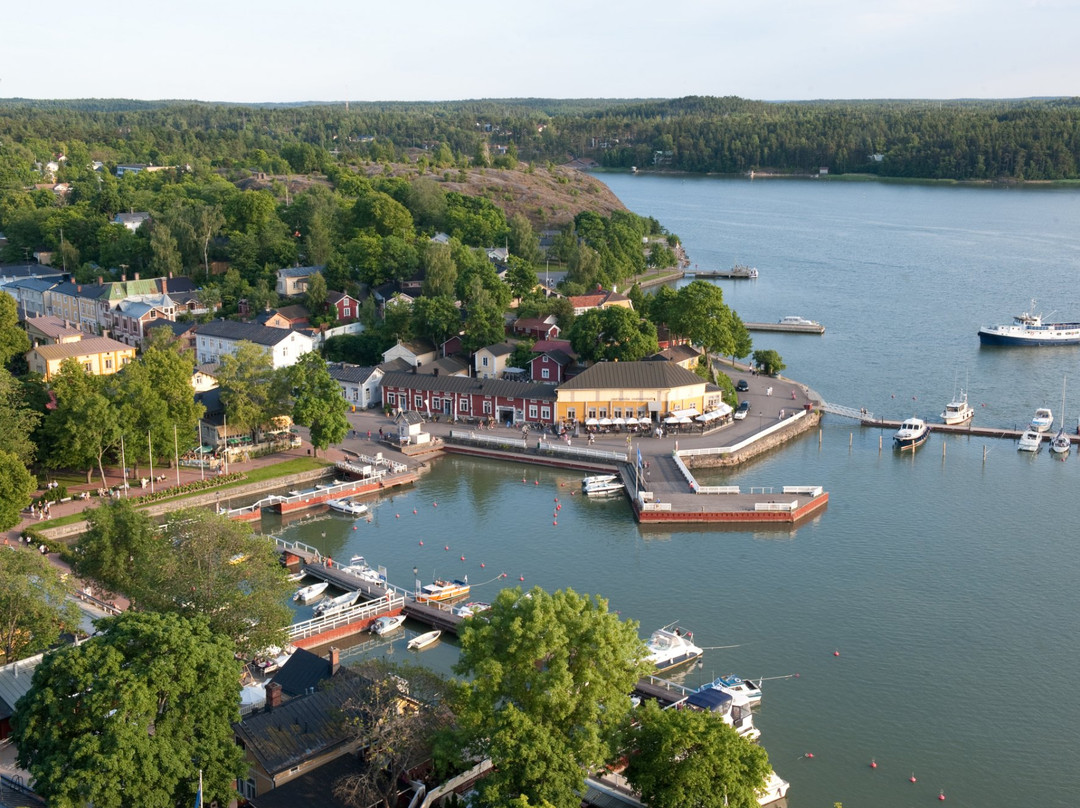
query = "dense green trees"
x=317 y=401
x=612 y=334
x=548 y=683
x=34 y=606
x=130 y=717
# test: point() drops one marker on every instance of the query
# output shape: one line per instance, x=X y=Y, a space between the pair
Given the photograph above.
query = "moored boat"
x=335 y=605
x=1030 y=441
x=733 y=708
x=442 y=590
x=603 y=489
x=597 y=479
x=912 y=433
x=347 y=507
x=775 y=788
x=672 y=646
x=309 y=593
x=421 y=641
x=1061 y=444
x=1042 y=420
x=1029 y=329
x=295 y=577
x=734 y=684
x=793 y=319
x=387 y=623
x=471 y=608
x=958 y=411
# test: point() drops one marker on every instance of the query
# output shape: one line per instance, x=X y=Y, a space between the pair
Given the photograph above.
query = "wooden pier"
x=967 y=429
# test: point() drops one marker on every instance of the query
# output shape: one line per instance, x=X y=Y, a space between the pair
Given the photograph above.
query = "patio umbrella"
x=605 y=422
x=590 y=422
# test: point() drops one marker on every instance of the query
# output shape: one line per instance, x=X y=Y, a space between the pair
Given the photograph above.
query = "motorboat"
x=734 y=684
x=471 y=608
x=603 y=488
x=597 y=479
x=912 y=433
x=295 y=577
x=1042 y=420
x=359 y=567
x=336 y=605
x=792 y=319
x=733 y=708
x=307 y=594
x=672 y=646
x=1030 y=441
x=421 y=641
x=774 y=790
x=387 y=623
x=442 y=590
x=958 y=411
x=1029 y=329
x=347 y=507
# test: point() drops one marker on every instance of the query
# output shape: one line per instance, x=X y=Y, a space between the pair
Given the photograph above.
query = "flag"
x=639 y=457
x=198 y=794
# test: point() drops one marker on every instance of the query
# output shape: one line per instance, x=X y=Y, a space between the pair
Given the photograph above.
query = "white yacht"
x=1030 y=441
x=1042 y=420
x=733 y=708
x=958 y=411
x=672 y=646
x=913 y=432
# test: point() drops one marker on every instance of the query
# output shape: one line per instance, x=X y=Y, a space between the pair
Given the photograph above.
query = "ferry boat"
x=958 y=411
x=440 y=590
x=1029 y=329
x=672 y=646
x=913 y=432
x=793 y=319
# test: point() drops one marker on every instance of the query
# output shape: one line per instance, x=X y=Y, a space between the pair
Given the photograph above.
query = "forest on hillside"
x=1006 y=140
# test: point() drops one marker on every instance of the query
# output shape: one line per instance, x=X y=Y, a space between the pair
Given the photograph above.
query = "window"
x=247 y=789
x=108 y=364
x=592 y=412
x=463 y=405
x=545 y=374
x=487 y=408
x=532 y=411
x=484 y=361
x=603 y=412
x=417 y=402
x=347 y=312
x=571 y=414
x=545 y=413
x=618 y=412
x=87 y=366
x=391 y=399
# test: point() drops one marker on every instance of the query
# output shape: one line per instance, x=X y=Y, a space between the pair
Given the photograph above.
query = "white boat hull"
x=424 y=640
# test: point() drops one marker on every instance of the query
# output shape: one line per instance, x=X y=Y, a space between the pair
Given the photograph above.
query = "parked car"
x=742 y=386
x=742 y=411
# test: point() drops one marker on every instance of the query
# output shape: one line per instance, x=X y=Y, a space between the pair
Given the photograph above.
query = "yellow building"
x=99 y=356
x=634 y=389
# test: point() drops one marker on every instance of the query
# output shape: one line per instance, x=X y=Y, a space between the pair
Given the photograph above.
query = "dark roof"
x=313 y=787
x=344 y=372
x=556 y=356
x=304 y=727
x=302 y=673
x=677 y=353
x=29 y=271
x=447 y=366
x=463 y=385
x=646 y=375
x=177 y=328
x=211 y=400
x=499 y=349
x=300 y=272
x=409 y=417
x=249 y=332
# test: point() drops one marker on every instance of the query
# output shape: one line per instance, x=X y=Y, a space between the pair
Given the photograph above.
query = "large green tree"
x=131 y=716
x=34 y=605
x=692 y=758
x=549 y=677
x=612 y=334
x=17 y=486
x=251 y=390
x=85 y=426
x=700 y=314
x=18 y=421
x=13 y=340
x=317 y=401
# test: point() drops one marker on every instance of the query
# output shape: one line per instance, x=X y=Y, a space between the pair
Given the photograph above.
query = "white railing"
x=743 y=444
x=812 y=490
x=487 y=440
x=718 y=489
x=685 y=472
x=294 y=546
x=366 y=472
x=354 y=614
x=848 y=412
x=776 y=506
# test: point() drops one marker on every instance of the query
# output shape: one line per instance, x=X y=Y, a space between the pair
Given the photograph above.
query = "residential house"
x=346 y=307
x=29 y=294
x=446 y=366
x=295 y=316
x=471 y=399
x=184 y=333
x=128 y=321
x=49 y=330
x=218 y=338
x=490 y=361
x=15 y=680
x=684 y=355
x=554 y=361
x=99 y=356
x=600 y=299
x=416 y=352
x=204 y=378
x=634 y=389
x=536 y=327
x=359 y=385
x=293 y=281
x=77 y=304
x=132 y=221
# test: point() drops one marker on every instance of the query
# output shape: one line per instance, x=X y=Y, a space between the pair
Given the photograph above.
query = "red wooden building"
x=470 y=399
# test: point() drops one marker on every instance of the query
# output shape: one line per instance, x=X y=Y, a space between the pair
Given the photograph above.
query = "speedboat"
x=335 y=605
x=309 y=593
x=603 y=488
x=359 y=567
x=792 y=319
x=913 y=432
x=387 y=623
x=422 y=641
x=440 y=590
x=733 y=684
x=597 y=479
x=672 y=646
x=958 y=411
x=775 y=789
x=295 y=577
x=471 y=608
x=1030 y=441
x=733 y=709
x=1042 y=420
x=347 y=507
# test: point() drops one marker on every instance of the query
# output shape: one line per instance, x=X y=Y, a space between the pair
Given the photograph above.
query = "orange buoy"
x=354 y=527
x=414 y=510
x=435 y=504
x=809 y=755
x=941 y=796
x=536 y=482
x=397 y=515
x=463 y=558
x=873 y=763
x=836 y=653
x=421 y=544
x=554 y=522
x=556 y=499
x=912 y=778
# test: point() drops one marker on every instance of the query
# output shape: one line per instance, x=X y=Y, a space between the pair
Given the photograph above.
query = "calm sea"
x=946 y=581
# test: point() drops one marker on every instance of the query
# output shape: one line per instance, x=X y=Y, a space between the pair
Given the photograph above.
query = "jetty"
x=792 y=328
x=737 y=272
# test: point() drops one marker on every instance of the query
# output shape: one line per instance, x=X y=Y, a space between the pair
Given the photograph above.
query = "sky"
x=374 y=50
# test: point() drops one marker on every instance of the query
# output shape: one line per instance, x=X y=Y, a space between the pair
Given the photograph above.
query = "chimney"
x=136 y=276
x=335 y=661
x=165 y=285
x=100 y=281
x=273 y=695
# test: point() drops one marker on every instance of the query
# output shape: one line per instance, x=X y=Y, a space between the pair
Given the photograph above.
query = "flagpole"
x=176 y=454
x=150 y=447
x=123 y=462
x=202 y=457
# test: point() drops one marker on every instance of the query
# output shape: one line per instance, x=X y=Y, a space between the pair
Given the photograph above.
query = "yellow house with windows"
x=634 y=389
x=99 y=356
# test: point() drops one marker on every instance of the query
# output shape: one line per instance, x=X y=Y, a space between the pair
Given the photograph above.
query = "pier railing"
x=554 y=447
x=297 y=548
x=354 y=614
x=722 y=450
x=848 y=412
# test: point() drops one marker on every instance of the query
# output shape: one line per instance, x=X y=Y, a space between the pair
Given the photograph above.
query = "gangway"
x=847 y=412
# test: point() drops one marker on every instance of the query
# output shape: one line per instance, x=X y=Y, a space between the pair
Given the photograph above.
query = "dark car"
x=742 y=411
x=742 y=386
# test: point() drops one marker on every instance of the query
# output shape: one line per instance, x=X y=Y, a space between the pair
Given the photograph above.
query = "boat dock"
x=793 y=328
x=737 y=272
x=967 y=429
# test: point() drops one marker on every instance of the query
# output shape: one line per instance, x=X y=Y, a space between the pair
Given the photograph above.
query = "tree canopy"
x=317 y=401
x=549 y=677
x=34 y=605
x=131 y=716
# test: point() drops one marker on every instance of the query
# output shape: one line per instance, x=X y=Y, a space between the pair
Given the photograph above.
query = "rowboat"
x=309 y=593
x=421 y=641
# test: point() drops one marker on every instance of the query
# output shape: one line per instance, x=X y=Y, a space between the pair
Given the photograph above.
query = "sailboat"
x=1061 y=443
